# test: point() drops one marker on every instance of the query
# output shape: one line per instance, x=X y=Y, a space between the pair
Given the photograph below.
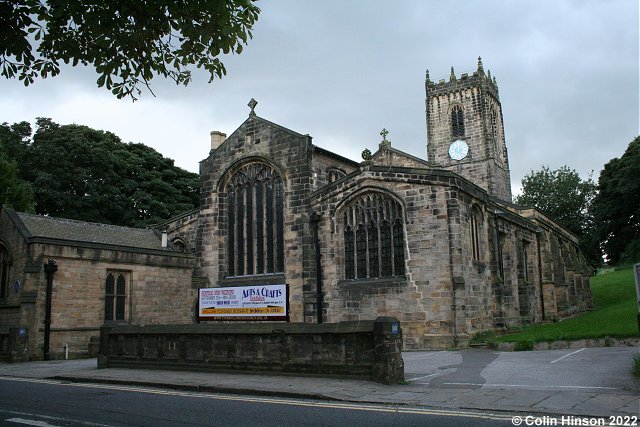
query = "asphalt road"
x=602 y=370
x=50 y=403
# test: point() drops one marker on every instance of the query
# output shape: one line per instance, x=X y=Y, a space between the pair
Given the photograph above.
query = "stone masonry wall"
x=182 y=229
x=290 y=153
x=368 y=349
x=445 y=296
x=21 y=309
x=155 y=294
x=423 y=299
x=322 y=162
x=158 y=291
x=486 y=163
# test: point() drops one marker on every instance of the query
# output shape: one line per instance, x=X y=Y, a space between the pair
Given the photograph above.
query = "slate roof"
x=38 y=227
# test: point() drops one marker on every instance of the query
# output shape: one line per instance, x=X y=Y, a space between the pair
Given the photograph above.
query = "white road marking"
x=425 y=376
x=566 y=355
x=537 y=386
x=64 y=421
x=30 y=422
x=281 y=401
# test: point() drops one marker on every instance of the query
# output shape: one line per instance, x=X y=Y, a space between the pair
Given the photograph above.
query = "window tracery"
x=255 y=221
x=373 y=237
x=115 y=296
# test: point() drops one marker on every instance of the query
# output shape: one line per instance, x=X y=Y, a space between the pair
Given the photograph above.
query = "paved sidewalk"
x=534 y=398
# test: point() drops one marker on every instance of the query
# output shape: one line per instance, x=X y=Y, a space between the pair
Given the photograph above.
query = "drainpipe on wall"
x=314 y=220
x=539 y=231
x=496 y=258
x=49 y=268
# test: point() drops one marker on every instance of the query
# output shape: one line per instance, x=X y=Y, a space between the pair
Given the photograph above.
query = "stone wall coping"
x=92 y=245
x=178 y=217
x=371 y=349
x=346 y=327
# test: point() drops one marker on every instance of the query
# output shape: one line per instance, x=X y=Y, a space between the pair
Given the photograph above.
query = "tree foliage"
x=563 y=196
x=127 y=42
x=616 y=208
x=14 y=193
x=81 y=173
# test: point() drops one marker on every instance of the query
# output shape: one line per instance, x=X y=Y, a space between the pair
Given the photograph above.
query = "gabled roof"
x=46 y=229
x=335 y=156
x=418 y=162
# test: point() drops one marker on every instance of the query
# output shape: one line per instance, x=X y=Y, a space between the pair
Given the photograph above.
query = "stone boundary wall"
x=369 y=349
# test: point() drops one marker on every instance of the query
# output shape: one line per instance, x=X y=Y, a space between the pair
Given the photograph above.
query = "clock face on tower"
x=458 y=150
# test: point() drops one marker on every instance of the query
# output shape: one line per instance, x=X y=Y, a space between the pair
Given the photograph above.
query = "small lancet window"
x=115 y=297
x=457 y=121
x=475 y=233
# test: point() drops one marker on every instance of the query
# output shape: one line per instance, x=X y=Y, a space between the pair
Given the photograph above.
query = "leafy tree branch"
x=128 y=43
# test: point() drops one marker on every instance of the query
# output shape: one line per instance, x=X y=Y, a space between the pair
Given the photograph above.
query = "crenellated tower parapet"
x=465 y=129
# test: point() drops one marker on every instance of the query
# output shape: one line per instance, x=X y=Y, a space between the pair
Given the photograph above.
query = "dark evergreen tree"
x=81 y=173
x=616 y=208
x=14 y=192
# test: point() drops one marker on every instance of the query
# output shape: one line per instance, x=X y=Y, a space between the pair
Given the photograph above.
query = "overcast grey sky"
x=341 y=70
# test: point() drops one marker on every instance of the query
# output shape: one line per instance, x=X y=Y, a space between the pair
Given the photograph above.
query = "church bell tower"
x=465 y=131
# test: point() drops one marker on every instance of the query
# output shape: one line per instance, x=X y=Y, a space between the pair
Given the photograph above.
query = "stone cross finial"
x=384 y=142
x=252 y=104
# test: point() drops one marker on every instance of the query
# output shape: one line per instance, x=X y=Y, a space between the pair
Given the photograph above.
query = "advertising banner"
x=261 y=302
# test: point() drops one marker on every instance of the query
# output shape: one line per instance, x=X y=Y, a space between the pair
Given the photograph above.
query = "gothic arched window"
x=334 y=174
x=180 y=245
x=255 y=221
x=373 y=237
x=457 y=121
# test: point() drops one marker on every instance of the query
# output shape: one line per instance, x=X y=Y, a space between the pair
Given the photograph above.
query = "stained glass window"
x=255 y=221
x=373 y=248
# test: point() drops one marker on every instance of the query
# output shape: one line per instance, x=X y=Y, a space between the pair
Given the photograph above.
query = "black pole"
x=49 y=268
x=540 y=276
x=314 y=219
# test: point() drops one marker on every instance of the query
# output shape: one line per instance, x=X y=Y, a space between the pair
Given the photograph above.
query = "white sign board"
x=262 y=302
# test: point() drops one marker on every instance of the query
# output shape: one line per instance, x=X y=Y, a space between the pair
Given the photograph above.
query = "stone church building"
x=436 y=243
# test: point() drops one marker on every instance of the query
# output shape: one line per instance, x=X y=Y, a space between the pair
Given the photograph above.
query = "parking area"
x=602 y=370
